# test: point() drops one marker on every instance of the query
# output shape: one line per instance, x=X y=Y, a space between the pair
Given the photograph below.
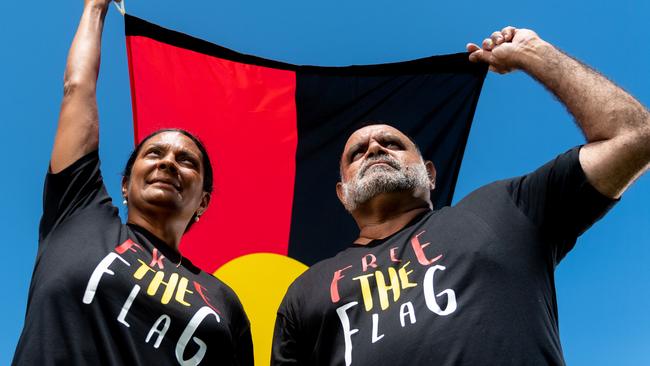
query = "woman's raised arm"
x=78 y=129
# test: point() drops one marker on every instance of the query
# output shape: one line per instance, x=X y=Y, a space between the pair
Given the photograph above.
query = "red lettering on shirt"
x=128 y=245
x=157 y=260
x=393 y=255
x=419 y=251
x=365 y=264
x=202 y=291
x=334 y=286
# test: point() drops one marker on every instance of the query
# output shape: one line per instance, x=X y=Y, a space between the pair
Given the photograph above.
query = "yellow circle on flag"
x=260 y=281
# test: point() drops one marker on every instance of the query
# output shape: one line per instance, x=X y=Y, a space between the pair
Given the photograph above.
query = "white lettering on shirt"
x=127 y=305
x=347 y=332
x=430 y=296
x=188 y=332
x=161 y=332
x=99 y=271
x=406 y=308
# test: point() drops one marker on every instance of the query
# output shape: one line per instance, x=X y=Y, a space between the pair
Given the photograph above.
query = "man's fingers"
x=484 y=53
x=473 y=57
x=471 y=47
x=487 y=44
x=480 y=55
x=508 y=33
x=497 y=38
x=474 y=51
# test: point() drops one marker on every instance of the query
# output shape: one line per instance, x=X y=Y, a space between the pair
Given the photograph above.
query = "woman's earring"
x=197 y=217
x=124 y=202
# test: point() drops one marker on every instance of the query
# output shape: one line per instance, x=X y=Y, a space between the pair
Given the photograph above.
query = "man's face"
x=380 y=159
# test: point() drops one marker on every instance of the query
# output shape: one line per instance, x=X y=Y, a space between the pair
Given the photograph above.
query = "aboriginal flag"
x=275 y=132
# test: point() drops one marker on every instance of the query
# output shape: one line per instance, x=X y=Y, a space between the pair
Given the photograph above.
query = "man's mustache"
x=392 y=162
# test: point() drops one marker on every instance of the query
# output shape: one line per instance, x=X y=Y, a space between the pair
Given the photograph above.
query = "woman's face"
x=167 y=177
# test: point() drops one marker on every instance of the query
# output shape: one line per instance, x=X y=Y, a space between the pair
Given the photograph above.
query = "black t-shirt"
x=471 y=284
x=105 y=293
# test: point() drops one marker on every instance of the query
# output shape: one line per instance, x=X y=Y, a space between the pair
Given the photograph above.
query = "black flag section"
x=432 y=100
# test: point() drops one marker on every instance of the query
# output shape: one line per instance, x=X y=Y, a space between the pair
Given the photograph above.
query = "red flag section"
x=246 y=116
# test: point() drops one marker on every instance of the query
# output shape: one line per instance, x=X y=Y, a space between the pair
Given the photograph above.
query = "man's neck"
x=385 y=215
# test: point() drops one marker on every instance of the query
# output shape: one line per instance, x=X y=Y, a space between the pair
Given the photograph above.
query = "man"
x=472 y=284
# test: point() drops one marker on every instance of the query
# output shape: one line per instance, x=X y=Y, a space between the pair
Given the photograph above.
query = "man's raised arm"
x=616 y=125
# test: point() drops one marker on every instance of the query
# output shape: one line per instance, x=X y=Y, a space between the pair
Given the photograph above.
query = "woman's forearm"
x=78 y=128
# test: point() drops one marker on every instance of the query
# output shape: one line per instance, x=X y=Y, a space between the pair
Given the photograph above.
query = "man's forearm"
x=615 y=124
x=602 y=109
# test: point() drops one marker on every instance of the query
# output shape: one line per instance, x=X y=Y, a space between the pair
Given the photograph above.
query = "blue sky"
x=603 y=284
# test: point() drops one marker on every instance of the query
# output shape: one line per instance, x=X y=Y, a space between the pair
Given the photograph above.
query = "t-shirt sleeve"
x=70 y=191
x=560 y=201
x=285 y=348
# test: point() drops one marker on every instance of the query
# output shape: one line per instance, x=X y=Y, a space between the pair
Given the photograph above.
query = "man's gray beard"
x=374 y=180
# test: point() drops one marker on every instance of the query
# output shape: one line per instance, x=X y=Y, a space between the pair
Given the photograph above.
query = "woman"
x=104 y=292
